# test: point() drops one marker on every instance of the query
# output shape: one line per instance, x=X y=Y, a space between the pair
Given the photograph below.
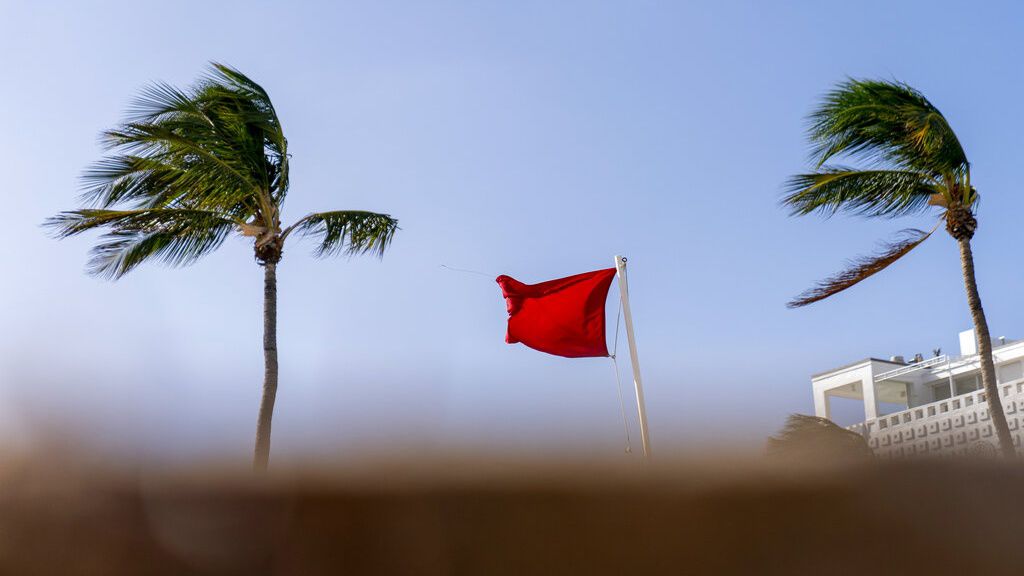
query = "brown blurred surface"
x=688 y=518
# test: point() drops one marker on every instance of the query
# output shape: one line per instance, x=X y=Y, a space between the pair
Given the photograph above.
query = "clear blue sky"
x=535 y=139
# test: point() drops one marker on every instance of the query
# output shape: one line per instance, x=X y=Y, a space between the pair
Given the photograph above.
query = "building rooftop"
x=932 y=404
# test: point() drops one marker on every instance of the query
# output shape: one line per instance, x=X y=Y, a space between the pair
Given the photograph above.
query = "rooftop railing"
x=936 y=361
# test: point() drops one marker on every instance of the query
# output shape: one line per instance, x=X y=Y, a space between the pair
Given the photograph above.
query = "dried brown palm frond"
x=863 y=267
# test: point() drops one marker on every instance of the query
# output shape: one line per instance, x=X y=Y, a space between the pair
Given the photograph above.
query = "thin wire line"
x=618 y=380
x=469 y=271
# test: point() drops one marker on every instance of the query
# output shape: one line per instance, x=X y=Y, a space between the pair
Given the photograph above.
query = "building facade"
x=929 y=405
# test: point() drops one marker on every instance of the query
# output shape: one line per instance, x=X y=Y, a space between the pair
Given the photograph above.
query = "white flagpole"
x=641 y=409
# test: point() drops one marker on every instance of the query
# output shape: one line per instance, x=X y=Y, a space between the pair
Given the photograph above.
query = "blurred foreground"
x=746 y=516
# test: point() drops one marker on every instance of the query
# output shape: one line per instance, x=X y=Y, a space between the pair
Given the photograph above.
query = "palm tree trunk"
x=988 y=369
x=262 y=453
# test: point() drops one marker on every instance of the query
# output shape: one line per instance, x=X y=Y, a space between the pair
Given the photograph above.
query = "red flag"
x=564 y=317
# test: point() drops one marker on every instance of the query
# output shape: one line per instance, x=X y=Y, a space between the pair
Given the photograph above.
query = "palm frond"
x=862 y=268
x=160 y=180
x=886 y=123
x=74 y=222
x=174 y=236
x=861 y=192
x=813 y=438
x=160 y=101
x=223 y=75
x=250 y=101
x=210 y=166
x=129 y=180
x=348 y=232
x=216 y=146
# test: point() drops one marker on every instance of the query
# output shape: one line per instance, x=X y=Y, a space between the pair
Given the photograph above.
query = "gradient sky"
x=534 y=139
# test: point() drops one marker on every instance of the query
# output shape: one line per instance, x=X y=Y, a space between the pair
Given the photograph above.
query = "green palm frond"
x=863 y=268
x=348 y=232
x=886 y=123
x=861 y=192
x=216 y=146
x=221 y=76
x=161 y=101
x=227 y=86
x=174 y=236
x=158 y=180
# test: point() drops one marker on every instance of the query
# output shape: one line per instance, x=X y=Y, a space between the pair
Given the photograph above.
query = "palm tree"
x=815 y=439
x=189 y=168
x=914 y=163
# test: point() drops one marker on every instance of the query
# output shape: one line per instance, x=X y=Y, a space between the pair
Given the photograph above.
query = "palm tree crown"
x=188 y=168
x=912 y=160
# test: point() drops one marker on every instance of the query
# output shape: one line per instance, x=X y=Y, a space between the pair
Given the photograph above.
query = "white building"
x=928 y=405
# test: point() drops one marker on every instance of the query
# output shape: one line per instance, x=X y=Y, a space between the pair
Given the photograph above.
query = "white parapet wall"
x=958 y=425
